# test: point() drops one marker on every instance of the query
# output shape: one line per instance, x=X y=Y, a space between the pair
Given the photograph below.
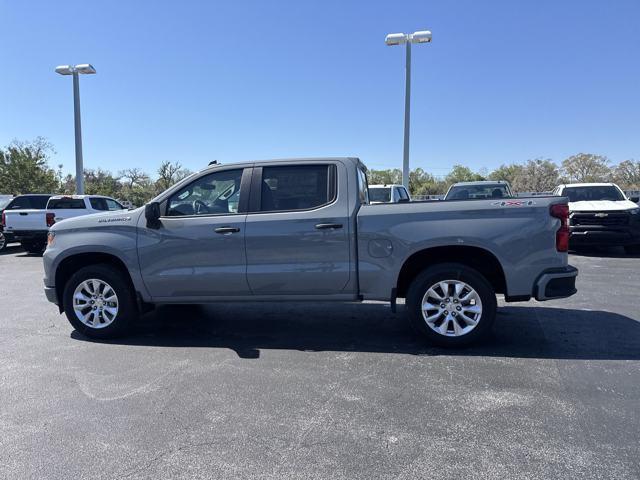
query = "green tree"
x=627 y=174
x=101 y=182
x=169 y=174
x=506 y=172
x=538 y=175
x=586 y=167
x=460 y=173
x=24 y=168
x=384 y=177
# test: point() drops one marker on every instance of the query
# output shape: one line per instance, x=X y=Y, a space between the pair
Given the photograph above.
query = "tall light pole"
x=407 y=39
x=84 y=69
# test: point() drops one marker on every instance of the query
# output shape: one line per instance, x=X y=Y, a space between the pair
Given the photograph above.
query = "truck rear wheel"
x=451 y=304
x=3 y=242
x=99 y=302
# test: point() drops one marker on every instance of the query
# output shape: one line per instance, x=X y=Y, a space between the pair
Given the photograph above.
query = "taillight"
x=51 y=219
x=561 y=211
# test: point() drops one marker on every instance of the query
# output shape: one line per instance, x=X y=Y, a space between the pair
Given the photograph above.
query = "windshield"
x=379 y=194
x=467 y=192
x=603 y=192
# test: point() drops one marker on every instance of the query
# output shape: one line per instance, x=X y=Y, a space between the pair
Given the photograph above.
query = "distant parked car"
x=30 y=225
x=8 y=238
x=22 y=210
x=600 y=214
x=388 y=194
x=480 y=190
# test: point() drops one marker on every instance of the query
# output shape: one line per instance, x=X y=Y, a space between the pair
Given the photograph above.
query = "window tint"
x=38 y=202
x=403 y=193
x=363 y=187
x=113 y=205
x=297 y=187
x=476 y=192
x=98 y=203
x=596 y=192
x=65 y=204
x=214 y=194
x=380 y=194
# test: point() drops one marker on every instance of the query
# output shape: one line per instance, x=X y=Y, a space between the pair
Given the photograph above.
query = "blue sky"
x=192 y=81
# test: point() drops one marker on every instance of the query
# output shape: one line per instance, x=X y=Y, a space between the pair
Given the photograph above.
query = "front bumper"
x=610 y=229
x=51 y=294
x=556 y=283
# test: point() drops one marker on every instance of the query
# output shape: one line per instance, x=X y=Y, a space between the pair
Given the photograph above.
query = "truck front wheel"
x=99 y=302
x=451 y=304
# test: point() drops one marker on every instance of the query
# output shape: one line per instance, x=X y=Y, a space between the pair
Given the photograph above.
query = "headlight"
x=51 y=238
x=635 y=211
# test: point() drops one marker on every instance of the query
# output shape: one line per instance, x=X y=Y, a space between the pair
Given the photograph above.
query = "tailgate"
x=20 y=220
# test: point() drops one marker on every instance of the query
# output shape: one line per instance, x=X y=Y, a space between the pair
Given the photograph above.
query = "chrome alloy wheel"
x=95 y=303
x=3 y=241
x=451 y=308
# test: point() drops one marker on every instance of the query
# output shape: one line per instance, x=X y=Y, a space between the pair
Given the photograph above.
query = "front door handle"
x=227 y=230
x=328 y=226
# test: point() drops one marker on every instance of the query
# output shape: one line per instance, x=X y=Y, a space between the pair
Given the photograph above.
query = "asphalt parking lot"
x=323 y=391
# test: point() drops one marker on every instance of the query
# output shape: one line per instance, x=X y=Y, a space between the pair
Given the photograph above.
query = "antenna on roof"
x=213 y=162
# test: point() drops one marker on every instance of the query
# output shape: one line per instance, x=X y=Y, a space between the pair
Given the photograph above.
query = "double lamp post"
x=75 y=71
x=407 y=39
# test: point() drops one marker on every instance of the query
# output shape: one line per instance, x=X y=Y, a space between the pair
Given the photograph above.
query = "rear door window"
x=113 y=205
x=297 y=187
x=24 y=202
x=66 y=204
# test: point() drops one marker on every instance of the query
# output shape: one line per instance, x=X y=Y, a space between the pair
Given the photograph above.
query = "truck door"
x=199 y=249
x=298 y=230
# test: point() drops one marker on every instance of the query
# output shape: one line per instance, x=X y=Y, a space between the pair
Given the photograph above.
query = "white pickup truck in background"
x=600 y=214
x=29 y=225
x=388 y=194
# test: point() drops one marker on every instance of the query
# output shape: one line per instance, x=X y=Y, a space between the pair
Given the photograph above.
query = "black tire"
x=632 y=249
x=451 y=271
x=127 y=311
x=3 y=242
x=33 y=246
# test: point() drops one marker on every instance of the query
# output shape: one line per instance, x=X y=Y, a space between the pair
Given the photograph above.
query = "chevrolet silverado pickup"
x=304 y=230
x=30 y=225
x=600 y=214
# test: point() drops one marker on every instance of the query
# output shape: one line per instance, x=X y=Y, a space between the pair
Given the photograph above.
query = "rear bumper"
x=556 y=283
x=29 y=235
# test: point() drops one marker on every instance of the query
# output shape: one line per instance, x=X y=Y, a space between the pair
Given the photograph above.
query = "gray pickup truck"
x=304 y=230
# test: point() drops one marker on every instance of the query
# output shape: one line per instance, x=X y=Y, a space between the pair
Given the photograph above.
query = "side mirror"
x=152 y=214
x=634 y=199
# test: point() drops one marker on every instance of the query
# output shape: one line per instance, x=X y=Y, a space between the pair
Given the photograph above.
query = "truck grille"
x=600 y=218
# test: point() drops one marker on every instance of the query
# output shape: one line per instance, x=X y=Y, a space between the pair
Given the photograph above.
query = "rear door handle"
x=227 y=230
x=328 y=226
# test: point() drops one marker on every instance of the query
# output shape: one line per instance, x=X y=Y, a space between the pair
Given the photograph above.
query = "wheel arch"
x=71 y=264
x=478 y=258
